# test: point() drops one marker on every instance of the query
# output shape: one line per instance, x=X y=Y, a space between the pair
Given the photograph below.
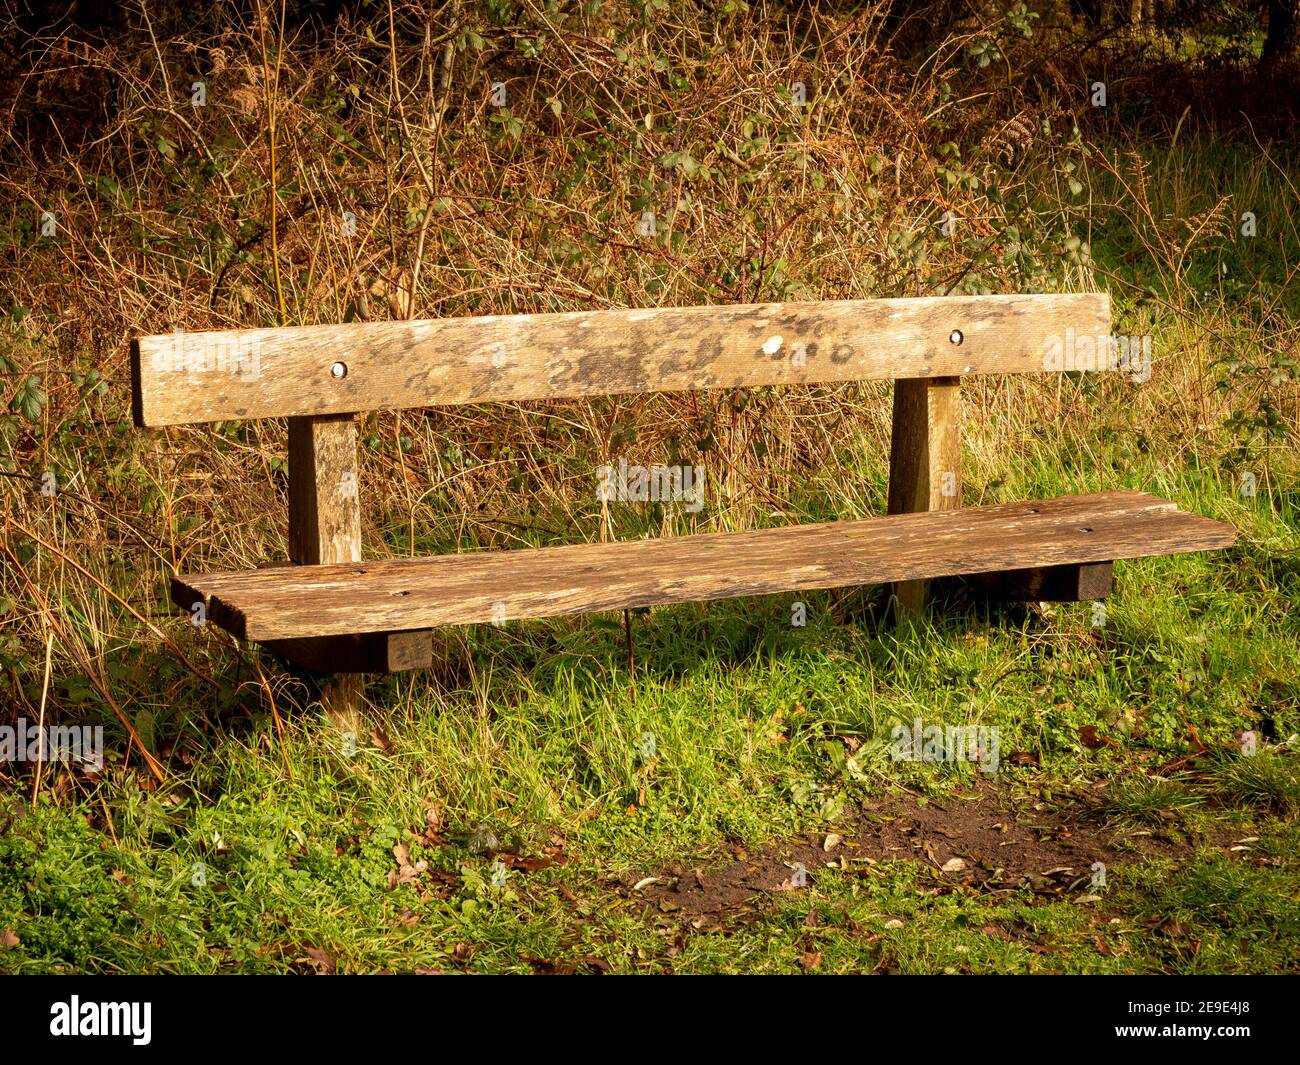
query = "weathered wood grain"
x=924 y=461
x=370 y=652
x=324 y=529
x=311 y=370
x=503 y=586
x=324 y=496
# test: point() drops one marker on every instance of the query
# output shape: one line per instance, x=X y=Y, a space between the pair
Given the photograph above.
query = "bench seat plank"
x=411 y=594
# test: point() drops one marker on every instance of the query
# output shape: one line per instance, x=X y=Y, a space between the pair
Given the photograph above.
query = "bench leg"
x=325 y=525
x=338 y=664
x=924 y=461
x=340 y=698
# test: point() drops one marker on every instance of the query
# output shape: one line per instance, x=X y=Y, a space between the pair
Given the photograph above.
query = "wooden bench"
x=330 y=612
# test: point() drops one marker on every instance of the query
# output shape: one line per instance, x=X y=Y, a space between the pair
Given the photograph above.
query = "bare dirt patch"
x=982 y=839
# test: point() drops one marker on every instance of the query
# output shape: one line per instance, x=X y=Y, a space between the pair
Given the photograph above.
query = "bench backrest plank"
x=189 y=377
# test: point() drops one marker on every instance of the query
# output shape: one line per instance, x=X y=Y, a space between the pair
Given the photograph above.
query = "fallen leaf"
x=433 y=819
x=1089 y=738
x=9 y=939
x=832 y=841
x=406 y=872
x=522 y=863
x=322 y=961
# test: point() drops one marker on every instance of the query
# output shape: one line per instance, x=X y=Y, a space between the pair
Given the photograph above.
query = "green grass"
x=543 y=744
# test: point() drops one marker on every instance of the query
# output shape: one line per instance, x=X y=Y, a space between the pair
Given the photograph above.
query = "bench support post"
x=1049 y=584
x=924 y=461
x=366 y=652
x=325 y=525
